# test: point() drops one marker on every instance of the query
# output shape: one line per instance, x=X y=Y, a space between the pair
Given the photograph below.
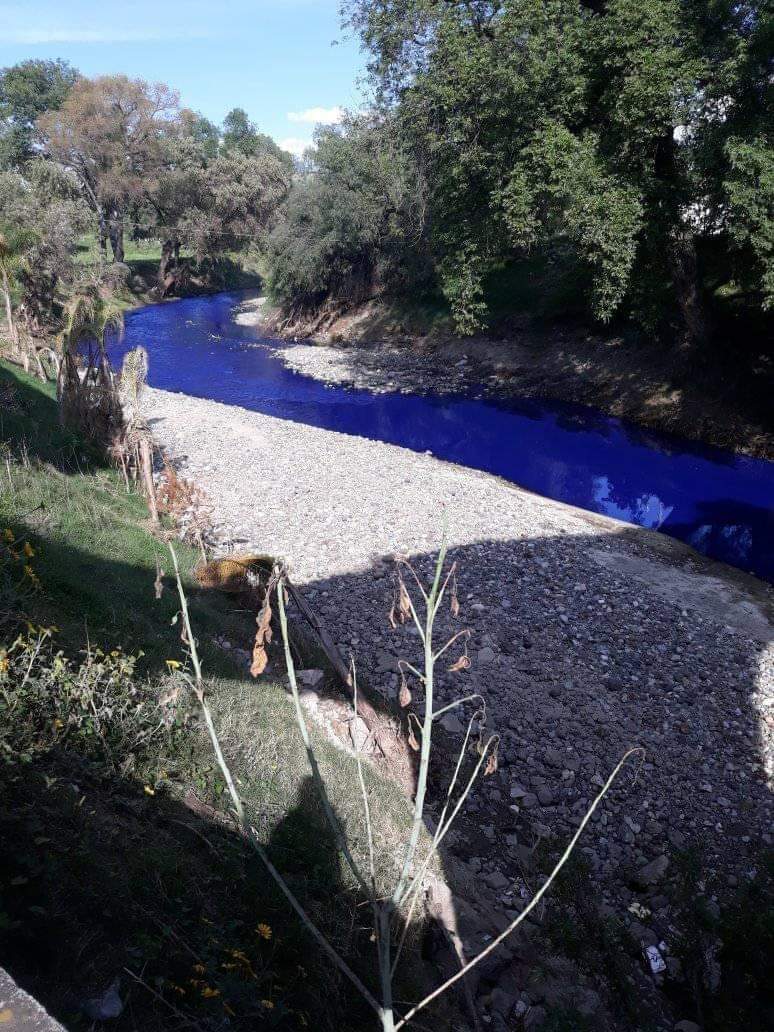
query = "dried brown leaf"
x=404 y=602
x=463 y=663
x=491 y=764
x=454 y=601
x=412 y=740
x=404 y=696
x=263 y=636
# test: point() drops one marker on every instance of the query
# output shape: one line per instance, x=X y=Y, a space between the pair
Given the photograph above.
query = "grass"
x=233 y=271
x=118 y=863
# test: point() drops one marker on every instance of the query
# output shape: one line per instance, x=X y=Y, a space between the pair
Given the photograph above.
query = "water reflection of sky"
x=718 y=502
x=646 y=511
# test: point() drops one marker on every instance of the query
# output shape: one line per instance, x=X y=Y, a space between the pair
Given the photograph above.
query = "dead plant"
x=392 y=913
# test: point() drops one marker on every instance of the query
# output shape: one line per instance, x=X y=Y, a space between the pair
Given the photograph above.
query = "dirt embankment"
x=726 y=402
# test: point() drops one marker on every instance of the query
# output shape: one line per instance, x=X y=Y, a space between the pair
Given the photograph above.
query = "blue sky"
x=274 y=58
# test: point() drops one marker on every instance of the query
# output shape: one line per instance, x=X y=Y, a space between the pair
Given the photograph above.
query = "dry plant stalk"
x=392 y=913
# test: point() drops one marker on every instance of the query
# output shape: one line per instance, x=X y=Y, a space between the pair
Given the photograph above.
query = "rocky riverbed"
x=587 y=637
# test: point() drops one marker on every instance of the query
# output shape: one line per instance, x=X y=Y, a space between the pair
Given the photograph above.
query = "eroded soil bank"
x=588 y=636
x=727 y=402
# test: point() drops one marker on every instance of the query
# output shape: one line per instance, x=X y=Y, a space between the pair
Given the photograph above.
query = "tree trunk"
x=685 y=279
x=116 y=230
x=102 y=239
x=681 y=247
x=167 y=258
x=12 y=332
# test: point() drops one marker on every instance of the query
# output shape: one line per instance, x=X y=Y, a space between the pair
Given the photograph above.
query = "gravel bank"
x=588 y=636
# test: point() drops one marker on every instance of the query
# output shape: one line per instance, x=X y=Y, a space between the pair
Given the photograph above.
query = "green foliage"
x=750 y=190
x=27 y=90
x=94 y=706
x=352 y=224
x=626 y=133
x=241 y=135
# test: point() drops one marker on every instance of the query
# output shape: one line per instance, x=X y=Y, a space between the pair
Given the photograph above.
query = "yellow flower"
x=29 y=551
x=148 y=790
x=264 y=931
x=267 y=1004
x=173 y=664
x=28 y=571
x=199 y=968
x=58 y=723
x=208 y=992
x=4 y=663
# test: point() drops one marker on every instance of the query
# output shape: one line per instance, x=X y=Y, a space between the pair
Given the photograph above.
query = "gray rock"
x=497 y=881
x=653 y=872
x=452 y=724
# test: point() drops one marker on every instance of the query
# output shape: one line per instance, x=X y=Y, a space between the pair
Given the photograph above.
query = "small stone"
x=485 y=656
x=451 y=724
x=496 y=880
x=652 y=872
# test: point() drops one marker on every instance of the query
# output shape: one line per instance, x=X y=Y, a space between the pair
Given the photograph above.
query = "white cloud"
x=317 y=116
x=295 y=146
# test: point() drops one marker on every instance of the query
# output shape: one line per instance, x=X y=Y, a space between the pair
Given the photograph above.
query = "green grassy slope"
x=116 y=861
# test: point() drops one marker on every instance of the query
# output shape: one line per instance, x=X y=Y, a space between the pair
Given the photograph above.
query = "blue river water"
x=720 y=503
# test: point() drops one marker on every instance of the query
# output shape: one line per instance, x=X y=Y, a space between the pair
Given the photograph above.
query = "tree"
x=14 y=244
x=43 y=204
x=242 y=136
x=88 y=399
x=622 y=130
x=355 y=223
x=240 y=197
x=202 y=131
x=109 y=133
x=28 y=90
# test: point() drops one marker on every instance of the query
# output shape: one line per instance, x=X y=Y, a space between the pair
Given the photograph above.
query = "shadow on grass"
x=98 y=877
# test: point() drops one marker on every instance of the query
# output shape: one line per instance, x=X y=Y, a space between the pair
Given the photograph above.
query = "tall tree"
x=109 y=132
x=28 y=90
x=43 y=203
x=240 y=135
x=628 y=131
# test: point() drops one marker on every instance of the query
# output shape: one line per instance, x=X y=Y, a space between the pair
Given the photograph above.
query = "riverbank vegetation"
x=109 y=181
x=117 y=865
x=625 y=146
